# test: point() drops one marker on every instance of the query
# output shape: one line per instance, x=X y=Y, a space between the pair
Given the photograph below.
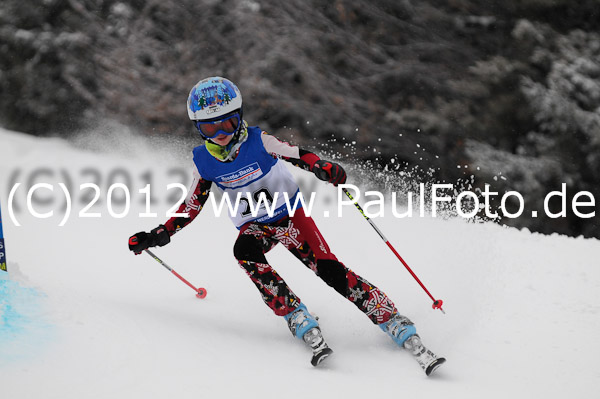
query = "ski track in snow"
x=83 y=318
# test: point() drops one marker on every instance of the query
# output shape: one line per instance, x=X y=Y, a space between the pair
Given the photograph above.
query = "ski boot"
x=304 y=326
x=404 y=333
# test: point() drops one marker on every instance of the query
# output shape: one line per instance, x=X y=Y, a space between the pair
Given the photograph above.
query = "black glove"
x=142 y=240
x=330 y=172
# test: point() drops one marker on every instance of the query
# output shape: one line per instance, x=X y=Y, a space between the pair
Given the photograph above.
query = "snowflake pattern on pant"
x=378 y=307
x=274 y=291
x=369 y=299
x=253 y=229
x=287 y=235
x=302 y=238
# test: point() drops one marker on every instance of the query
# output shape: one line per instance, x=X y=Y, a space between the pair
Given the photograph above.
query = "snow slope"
x=83 y=318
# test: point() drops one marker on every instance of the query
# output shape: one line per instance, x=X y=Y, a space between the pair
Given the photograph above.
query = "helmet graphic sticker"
x=213 y=97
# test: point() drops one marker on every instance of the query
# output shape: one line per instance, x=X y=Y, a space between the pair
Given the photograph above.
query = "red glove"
x=330 y=172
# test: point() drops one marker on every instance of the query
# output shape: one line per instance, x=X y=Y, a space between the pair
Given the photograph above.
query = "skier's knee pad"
x=249 y=248
x=334 y=274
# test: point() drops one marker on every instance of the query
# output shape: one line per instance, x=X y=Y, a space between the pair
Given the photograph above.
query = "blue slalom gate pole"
x=2 y=248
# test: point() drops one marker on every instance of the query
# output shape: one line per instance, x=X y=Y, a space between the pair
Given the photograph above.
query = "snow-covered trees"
x=510 y=87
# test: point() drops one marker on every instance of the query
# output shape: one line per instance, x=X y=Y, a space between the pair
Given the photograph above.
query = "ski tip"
x=320 y=356
x=435 y=365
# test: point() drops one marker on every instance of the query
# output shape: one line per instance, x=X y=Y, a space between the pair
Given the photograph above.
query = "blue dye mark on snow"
x=24 y=330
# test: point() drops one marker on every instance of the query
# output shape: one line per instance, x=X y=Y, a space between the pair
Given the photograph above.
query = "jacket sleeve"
x=291 y=153
x=192 y=205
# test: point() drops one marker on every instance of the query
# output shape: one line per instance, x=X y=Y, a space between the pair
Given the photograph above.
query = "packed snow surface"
x=82 y=317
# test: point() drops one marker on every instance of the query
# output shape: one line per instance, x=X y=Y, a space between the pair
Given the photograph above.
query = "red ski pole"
x=200 y=292
x=437 y=303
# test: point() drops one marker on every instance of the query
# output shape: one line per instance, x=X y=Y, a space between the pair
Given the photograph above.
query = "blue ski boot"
x=305 y=327
x=404 y=333
x=399 y=328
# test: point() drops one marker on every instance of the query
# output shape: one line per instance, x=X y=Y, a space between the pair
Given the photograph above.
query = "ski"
x=321 y=355
x=434 y=365
x=428 y=361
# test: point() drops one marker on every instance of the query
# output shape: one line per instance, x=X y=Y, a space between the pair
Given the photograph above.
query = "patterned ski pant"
x=301 y=237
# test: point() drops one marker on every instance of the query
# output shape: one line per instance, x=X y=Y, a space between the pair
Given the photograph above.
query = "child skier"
x=242 y=159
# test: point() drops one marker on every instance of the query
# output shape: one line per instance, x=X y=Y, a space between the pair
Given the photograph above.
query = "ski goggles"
x=227 y=126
